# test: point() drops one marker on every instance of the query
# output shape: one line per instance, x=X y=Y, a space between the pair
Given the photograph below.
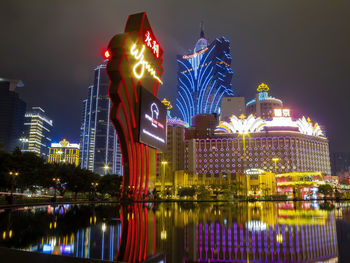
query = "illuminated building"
x=12 y=110
x=263 y=105
x=280 y=145
x=64 y=152
x=100 y=151
x=259 y=182
x=232 y=106
x=37 y=131
x=204 y=77
x=173 y=158
x=299 y=184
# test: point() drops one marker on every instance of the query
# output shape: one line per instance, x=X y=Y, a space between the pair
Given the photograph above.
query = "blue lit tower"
x=204 y=77
x=99 y=147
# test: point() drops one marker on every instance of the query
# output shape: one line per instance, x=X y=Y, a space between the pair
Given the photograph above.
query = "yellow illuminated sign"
x=263 y=88
x=142 y=64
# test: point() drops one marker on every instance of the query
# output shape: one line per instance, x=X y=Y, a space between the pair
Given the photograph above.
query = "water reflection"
x=182 y=232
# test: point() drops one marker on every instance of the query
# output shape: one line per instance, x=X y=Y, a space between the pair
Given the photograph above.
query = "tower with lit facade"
x=37 y=132
x=64 y=152
x=204 y=77
x=100 y=151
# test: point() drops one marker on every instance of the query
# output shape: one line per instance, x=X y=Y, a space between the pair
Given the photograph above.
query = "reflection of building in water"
x=256 y=240
x=97 y=241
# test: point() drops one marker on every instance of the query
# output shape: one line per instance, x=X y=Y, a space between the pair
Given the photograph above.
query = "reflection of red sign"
x=152 y=44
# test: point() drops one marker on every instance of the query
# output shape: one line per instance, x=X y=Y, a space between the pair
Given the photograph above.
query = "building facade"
x=12 y=110
x=263 y=104
x=280 y=145
x=100 y=151
x=204 y=77
x=64 y=152
x=232 y=106
x=37 y=132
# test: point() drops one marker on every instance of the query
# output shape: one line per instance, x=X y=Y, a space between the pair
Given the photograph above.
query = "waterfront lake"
x=184 y=231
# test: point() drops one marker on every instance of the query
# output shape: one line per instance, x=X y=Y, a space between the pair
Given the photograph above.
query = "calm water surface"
x=184 y=232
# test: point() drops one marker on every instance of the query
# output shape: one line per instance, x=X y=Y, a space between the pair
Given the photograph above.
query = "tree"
x=78 y=180
x=5 y=159
x=203 y=193
x=186 y=191
x=325 y=189
x=110 y=184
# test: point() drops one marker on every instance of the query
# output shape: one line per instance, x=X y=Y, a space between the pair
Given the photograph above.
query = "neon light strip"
x=195 y=54
x=153 y=136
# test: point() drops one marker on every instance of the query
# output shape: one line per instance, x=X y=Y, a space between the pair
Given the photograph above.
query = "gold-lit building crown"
x=263 y=88
x=167 y=104
x=64 y=143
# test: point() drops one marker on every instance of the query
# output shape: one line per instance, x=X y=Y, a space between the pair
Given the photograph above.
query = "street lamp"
x=164 y=163
x=56 y=181
x=106 y=168
x=23 y=140
x=94 y=186
x=275 y=159
x=13 y=178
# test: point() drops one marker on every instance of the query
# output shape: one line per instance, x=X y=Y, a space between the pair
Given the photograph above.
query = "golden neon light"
x=263 y=88
x=167 y=103
x=141 y=65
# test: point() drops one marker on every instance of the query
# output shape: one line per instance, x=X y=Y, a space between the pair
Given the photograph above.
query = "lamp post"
x=13 y=179
x=164 y=163
x=94 y=186
x=275 y=159
x=23 y=140
x=56 y=181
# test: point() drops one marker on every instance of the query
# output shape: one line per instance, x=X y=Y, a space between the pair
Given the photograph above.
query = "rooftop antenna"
x=202 y=29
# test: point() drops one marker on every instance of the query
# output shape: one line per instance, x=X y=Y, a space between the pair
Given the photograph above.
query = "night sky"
x=301 y=49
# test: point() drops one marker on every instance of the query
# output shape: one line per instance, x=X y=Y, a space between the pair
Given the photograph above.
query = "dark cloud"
x=300 y=48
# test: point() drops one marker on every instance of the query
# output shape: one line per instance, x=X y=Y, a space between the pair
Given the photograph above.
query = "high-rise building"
x=204 y=77
x=37 y=132
x=263 y=105
x=12 y=110
x=100 y=151
x=64 y=152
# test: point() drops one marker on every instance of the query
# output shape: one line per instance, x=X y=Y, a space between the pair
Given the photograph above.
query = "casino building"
x=64 y=152
x=204 y=77
x=279 y=145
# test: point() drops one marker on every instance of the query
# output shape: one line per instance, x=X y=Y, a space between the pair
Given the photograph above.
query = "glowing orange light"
x=107 y=54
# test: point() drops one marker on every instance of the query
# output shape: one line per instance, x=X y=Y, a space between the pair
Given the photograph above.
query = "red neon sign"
x=152 y=44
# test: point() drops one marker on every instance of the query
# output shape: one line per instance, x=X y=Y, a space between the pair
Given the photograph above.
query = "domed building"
x=278 y=145
x=263 y=104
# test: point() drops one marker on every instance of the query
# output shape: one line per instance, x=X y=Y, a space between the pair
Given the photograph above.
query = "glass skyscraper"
x=204 y=77
x=100 y=151
x=12 y=110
